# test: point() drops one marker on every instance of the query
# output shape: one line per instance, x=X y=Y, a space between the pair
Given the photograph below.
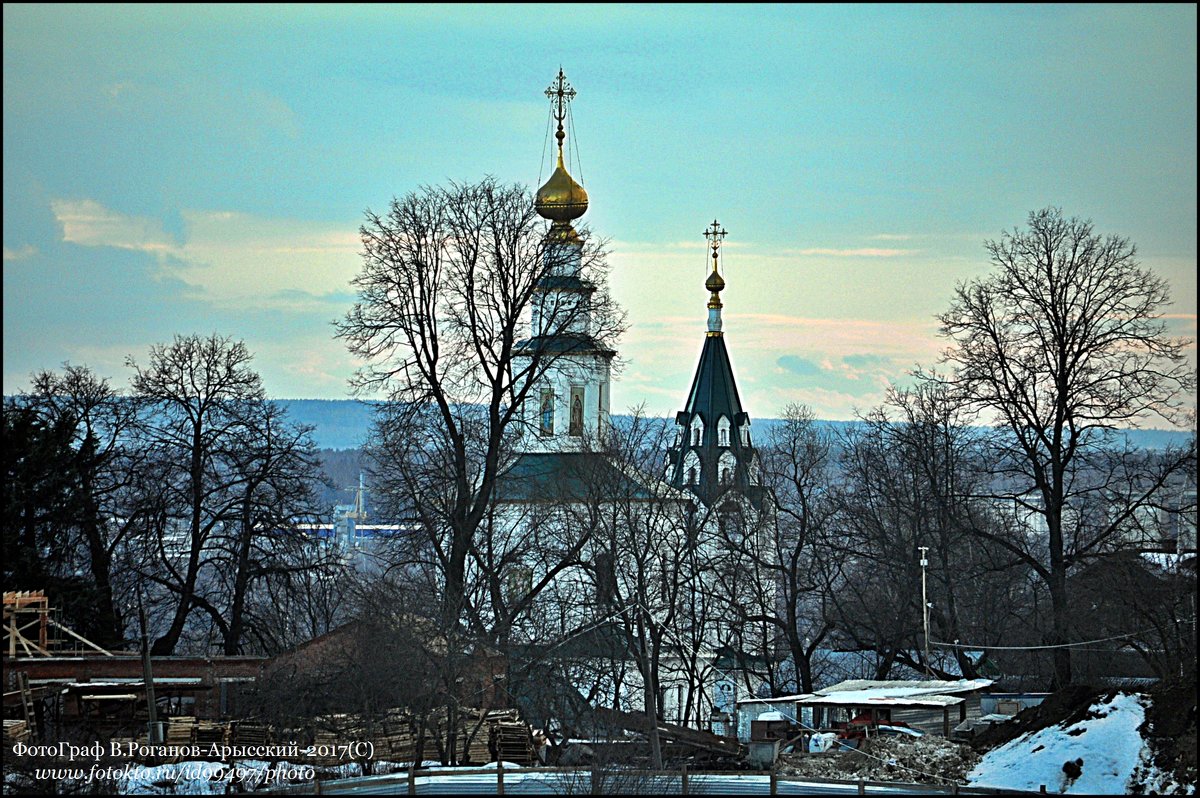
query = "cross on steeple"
x=560 y=93
x=715 y=233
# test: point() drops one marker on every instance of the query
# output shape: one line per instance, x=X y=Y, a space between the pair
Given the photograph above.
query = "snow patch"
x=1107 y=741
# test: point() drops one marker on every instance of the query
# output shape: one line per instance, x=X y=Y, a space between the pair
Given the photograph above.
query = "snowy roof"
x=931 y=693
x=877 y=698
x=897 y=689
x=784 y=699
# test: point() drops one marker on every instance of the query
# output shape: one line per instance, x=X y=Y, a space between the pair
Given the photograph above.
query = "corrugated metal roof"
x=877 y=698
x=902 y=687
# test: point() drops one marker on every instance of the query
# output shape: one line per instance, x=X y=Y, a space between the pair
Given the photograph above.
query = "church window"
x=745 y=434
x=692 y=464
x=692 y=475
x=723 y=431
x=600 y=407
x=727 y=464
x=729 y=521
x=697 y=431
x=518 y=583
x=546 y=426
x=606 y=578
x=576 y=426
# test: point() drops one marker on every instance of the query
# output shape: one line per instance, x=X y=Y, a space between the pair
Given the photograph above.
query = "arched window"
x=697 y=431
x=728 y=464
x=691 y=465
x=576 y=426
x=723 y=431
x=692 y=475
x=745 y=429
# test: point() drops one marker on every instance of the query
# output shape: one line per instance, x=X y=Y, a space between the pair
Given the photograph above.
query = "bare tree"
x=912 y=480
x=785 y=563
x=450 y=278
x=1062 y=343
x=274 y=464
x=105 y=460
x=192 y=387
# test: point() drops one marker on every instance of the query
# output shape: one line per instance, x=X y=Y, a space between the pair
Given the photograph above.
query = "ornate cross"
x=560 y=93
x=714 y=234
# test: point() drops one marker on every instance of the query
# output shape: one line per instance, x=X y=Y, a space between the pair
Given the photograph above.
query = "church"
x=657 y=525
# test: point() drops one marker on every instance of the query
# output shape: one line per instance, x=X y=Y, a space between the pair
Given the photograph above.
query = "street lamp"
x=925 y=609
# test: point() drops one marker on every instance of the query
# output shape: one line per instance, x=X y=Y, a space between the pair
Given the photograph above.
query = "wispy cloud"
x=231 y=259
x=27 y=251
x=90 y=224
x=862 y=252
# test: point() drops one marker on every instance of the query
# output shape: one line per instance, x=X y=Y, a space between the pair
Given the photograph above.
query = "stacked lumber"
x=478 y=735
x=247 y=732
x=15 y=731
x=210 y=731
x=181 y=730
x=512 y=742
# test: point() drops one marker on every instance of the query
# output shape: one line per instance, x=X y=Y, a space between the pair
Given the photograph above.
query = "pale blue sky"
x=198 y=169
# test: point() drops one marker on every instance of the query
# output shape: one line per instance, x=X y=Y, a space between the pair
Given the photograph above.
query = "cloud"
x=837 y=338
x=867 y=361
x=799 y=366
x=230 y=259
x=27 y=251
x=867 y=252
x=90 y=224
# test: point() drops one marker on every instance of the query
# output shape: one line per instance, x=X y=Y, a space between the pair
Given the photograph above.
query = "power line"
x=1036 y=648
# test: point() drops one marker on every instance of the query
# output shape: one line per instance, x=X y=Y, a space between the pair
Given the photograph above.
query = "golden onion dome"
x=714 y=282
x=561 y=199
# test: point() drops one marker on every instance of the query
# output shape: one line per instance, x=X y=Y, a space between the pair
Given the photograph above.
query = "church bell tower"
x=712 y=453
x=570 y=404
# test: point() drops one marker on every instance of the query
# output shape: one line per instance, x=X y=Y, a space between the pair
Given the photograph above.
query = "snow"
x=902 y=730
x=771 y=716
x=507 y=766
x=1108 y=743
x=883 y=697
x=900 y=688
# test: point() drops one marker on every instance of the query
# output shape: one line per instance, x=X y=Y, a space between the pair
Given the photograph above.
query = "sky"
x=199 y=169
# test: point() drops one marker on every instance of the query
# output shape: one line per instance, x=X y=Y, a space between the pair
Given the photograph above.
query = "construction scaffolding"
x=31 y=630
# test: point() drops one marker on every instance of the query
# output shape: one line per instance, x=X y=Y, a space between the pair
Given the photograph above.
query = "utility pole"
x=925 y=609
x=152 y=735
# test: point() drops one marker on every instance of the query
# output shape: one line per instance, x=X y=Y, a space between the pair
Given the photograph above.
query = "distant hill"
x=340 y=423
x=343 y=424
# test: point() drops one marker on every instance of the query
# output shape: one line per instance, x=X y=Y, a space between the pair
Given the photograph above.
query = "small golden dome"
x=561 y=199
x=714 y=282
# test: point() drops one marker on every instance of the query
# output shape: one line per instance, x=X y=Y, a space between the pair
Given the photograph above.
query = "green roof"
x=572 y=476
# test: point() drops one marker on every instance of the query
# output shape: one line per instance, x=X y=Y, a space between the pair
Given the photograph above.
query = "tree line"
x=1005 y=468
x=1004 y=471
x=182 y=493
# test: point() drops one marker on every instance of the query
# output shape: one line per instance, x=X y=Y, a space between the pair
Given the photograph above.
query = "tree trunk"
x=1058 y=593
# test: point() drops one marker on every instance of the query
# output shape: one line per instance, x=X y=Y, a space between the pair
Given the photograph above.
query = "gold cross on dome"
x=714 y=234
x=560 y=93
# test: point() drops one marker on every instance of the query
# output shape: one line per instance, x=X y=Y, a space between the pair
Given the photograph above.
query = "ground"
x=922 y=760
x=1084 y=740
x=1080 y=740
